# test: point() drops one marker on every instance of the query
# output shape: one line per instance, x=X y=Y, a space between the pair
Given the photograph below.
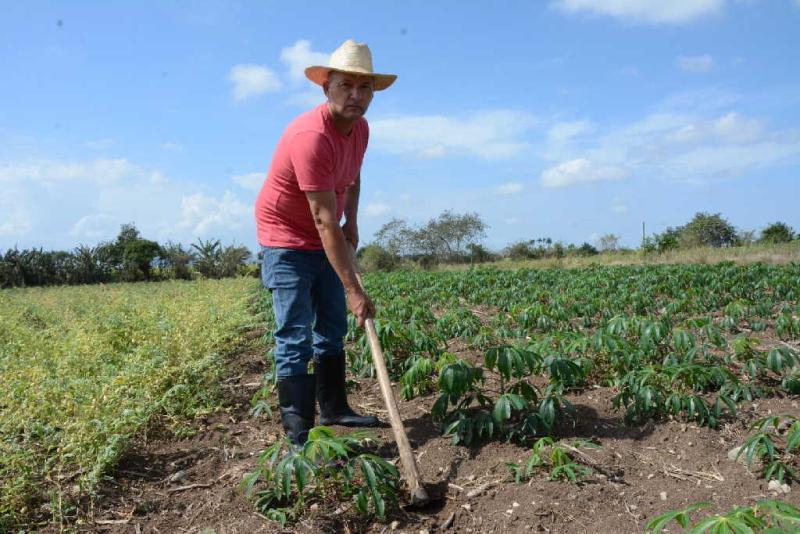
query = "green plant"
x=546 y=454
x=771 y=516
x=326 y=467
x=775 y=443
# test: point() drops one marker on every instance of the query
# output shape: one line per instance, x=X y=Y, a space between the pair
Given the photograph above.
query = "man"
x=308 y=260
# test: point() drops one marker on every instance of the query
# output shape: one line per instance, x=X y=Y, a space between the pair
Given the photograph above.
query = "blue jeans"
x=309 y=305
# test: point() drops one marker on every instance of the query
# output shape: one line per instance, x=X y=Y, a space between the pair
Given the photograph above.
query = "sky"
x=567 y=119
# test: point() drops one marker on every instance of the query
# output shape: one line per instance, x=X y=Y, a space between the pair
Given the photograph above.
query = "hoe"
x=419 y=496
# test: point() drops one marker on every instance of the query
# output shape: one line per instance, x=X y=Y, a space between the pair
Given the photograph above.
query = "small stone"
x=633 y=506
x=663 y=495
x=785 y=488
x=467 y=507
x=774 y=485
x=179 y=476
x=515 y=504
x=509 y=511
x=651 y=475
x=314 y=507
x=424 y=531
x=734 y=452
x=394 y=525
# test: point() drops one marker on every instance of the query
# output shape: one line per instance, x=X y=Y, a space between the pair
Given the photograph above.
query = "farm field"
x=83 y=370
x=644 y=377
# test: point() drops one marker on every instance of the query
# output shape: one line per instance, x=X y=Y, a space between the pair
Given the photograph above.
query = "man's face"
x=349 y=95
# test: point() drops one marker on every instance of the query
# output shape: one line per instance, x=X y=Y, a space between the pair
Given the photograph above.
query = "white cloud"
x=406 y=197
x=171 y=145
x=16 y=213
x=564 y=131
x=375 y=209
x=60 y=204
x=299 y=56
x=644 y=11
x=207 y=216
x=619 y=208
x=50 y=174
x=99 y=144
x=702 y=63
x=252 y=80
x=509 y=188
x=313 y=96
x=251 y=181
x=691 y=147
x=489 y=135
x=92 y=226
x=732 y=127
x=579 y=170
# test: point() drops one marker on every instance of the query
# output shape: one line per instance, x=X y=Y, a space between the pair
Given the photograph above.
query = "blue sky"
x=566 y=119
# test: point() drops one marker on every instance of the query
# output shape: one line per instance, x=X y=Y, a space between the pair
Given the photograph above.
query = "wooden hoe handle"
x=410 y=470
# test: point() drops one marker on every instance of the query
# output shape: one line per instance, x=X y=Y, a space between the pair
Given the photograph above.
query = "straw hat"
x=352 y=58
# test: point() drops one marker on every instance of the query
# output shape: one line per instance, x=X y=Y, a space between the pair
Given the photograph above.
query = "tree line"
x=456 y=238
x=448 y=238
x=128 y=258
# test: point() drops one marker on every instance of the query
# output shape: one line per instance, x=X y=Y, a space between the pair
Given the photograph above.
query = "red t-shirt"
x=312 y=155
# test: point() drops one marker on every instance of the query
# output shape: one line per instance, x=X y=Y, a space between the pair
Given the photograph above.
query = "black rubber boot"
x=296 y=400
x=332 y=395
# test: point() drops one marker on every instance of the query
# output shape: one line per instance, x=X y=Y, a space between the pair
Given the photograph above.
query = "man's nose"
x=357 y=93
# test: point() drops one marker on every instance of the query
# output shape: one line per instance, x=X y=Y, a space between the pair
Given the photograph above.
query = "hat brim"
x=319 y=75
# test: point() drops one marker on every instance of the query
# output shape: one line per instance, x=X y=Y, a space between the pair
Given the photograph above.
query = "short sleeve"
x=311 y=154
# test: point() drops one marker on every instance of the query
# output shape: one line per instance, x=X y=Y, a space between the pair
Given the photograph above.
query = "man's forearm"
x=351 y=207
x=340 y=255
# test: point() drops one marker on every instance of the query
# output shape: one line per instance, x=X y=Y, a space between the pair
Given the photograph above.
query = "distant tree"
x=479 y=254
x=207 y=260
x=708 y=230
x=777 y=232
x=89 y=268
x=446 y=236
x=176 y=260
x=519 y=250
x=587 y=250
x=396 y=238
x=442 y=239
x=137 y=258
x=608 y=243
x=231 y=258
x=670 y=239
x=129 y=257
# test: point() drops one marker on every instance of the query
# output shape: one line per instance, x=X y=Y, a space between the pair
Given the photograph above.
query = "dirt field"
x=168 y=485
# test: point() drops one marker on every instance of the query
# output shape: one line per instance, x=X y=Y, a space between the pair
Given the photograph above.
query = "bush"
x=521 y=250
x=777 y=232
x=706 y=230
x=587 y=250
x=376 y=258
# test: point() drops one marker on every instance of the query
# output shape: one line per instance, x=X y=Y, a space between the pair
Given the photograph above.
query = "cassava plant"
x=775 y=442
x=327 y=467
x=546 y=455
x=770 y=516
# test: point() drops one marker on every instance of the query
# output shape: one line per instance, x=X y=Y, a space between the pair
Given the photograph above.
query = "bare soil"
x=170 y=485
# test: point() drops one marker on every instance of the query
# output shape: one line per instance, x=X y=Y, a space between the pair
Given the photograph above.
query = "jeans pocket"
x=285 y=268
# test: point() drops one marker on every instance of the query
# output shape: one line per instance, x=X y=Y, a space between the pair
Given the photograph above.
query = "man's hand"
x=350 y=230
x=361 y=306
